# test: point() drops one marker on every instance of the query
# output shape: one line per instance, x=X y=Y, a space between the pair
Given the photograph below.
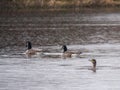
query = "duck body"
x=67 y=54
x=32 y=51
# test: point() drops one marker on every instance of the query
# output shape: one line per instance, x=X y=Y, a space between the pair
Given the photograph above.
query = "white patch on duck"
x=51 y=55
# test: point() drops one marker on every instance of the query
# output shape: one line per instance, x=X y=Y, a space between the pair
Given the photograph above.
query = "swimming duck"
x=94 y=65
x=67 y=53
x=29 y=52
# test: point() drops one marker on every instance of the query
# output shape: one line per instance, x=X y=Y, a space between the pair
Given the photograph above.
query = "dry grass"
x=63 y=3
x=84 y=2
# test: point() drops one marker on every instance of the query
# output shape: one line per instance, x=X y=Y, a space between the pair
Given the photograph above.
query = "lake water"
x=95 y=33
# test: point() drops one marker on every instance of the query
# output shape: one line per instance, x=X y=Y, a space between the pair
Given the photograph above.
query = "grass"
x=38 y=4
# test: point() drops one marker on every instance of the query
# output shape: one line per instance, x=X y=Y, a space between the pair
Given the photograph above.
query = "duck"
x=30 y=51
x=68 y=54
x=94 y=62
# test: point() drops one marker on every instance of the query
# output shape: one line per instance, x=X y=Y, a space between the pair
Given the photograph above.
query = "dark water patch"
x=59 y=28
x=80 y=35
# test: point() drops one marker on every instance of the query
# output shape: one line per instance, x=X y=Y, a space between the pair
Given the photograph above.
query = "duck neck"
x=94 y=68
x=94 y=65
x=29 y=45
x=64 y=48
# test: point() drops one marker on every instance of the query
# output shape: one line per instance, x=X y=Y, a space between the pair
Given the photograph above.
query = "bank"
x=56 y=4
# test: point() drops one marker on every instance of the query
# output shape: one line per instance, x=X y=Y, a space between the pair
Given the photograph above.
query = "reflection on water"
x=17 y=72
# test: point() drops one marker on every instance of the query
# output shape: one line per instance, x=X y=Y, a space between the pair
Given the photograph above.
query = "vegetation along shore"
x=56 y=4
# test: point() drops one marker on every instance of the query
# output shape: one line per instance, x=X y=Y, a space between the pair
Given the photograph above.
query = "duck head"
x=29 y=45
x=93 y=62
x=64 y=47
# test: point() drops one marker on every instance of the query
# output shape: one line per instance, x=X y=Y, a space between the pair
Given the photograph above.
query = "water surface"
x=96 y=34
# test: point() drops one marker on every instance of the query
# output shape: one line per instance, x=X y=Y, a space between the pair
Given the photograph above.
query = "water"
x=96 y=34
x=89 y=27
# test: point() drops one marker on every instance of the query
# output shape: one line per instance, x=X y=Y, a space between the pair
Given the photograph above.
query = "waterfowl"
x=69 y=54
x=29 y=52
x=94 y=65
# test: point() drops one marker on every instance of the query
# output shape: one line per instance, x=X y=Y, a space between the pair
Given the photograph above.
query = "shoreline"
x=56 y=5
x=81 y=9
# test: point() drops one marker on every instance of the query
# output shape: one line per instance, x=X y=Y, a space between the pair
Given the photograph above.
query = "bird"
x=30 y=51
x=43 y=53
x=68 y=54
x=94 y=62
